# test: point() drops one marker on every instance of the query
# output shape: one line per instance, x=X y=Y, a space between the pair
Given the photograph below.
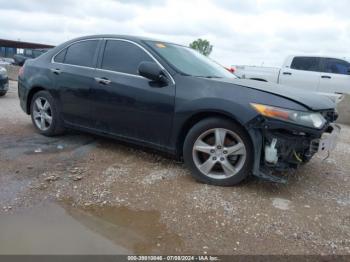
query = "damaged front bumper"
x=282 y=146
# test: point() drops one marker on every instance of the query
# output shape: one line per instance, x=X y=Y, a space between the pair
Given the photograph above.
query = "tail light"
x=231 y=69
x=21 y=71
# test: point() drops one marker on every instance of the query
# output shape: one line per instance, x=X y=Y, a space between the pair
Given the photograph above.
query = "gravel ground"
x=146 y=203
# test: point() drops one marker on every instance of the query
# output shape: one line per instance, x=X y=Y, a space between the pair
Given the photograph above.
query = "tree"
x=203 y=46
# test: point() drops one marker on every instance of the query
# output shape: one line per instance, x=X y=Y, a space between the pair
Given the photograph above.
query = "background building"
x=8 y=48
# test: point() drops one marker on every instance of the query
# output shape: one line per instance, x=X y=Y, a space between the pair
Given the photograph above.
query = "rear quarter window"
x=59 y=58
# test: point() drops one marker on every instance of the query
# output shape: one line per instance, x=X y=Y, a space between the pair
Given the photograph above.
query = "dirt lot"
x=81 y=194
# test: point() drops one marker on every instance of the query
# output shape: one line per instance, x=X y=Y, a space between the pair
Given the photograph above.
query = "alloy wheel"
x=42 y=113
x=219 y=153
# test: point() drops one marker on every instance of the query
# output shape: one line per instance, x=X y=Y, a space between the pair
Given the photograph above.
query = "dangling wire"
x=328 y=154
x=297 y=157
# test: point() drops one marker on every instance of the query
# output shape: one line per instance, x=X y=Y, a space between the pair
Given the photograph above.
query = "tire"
x=49 y=127
x=3 y=93
x=233 y=157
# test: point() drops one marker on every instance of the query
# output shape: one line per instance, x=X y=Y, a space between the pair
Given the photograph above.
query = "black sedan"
x=4 y=81
x=173 y=99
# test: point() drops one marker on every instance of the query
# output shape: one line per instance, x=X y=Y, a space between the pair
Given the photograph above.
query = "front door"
x=126 y=104
x=335 y=77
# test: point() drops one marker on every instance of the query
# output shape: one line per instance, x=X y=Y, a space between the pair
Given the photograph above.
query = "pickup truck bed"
x=266 y=74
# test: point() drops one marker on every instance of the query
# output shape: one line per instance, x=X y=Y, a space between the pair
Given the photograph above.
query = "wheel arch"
x=32 y=92
x=196 y=118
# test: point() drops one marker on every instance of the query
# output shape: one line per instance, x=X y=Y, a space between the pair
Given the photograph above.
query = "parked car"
x=4 y=81
x=173 y=99
x=321 y=74
x=19 y=59
x=4 y=61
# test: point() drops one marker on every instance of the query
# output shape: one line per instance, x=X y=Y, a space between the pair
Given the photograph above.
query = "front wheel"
x=218 y=152
x=2 y=93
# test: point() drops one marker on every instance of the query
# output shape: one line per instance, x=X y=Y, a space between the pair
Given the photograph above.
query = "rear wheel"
x=2 y=93
x=218 y=152
x=45 y=115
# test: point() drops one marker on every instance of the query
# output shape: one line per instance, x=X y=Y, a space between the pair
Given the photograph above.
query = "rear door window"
x=306 y=64
x=336 y=66
x=81 y=53
x=122 y=56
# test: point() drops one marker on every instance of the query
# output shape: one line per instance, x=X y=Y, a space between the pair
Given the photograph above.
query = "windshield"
x=189 y=61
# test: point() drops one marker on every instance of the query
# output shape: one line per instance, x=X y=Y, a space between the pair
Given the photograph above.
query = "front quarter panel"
x=200 y=95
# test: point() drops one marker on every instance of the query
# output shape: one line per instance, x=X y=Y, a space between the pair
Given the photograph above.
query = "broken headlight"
x=309 y=119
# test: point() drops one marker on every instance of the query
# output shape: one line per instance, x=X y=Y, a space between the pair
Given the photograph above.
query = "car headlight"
x=309 y=119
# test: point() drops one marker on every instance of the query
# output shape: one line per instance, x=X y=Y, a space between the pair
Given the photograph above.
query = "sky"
x=243 y=32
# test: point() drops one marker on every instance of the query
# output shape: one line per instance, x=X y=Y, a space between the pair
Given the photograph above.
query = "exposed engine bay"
x=282 y=147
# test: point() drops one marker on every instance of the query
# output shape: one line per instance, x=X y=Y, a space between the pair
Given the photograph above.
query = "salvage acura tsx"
x=173 y=99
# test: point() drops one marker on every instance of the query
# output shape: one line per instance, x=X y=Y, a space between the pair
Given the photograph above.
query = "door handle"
x=287 y=73
x=56 y=71
x=102 y=80
x=328 y=77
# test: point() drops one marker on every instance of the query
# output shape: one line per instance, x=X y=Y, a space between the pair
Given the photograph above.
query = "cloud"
x=246 y=6
x=36 y=5
x=310 y=7
x=242 y=32
x=143 y=2
x=71 y=9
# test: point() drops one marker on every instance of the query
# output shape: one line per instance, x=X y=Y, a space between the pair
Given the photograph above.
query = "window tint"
x=59 y=58
x=81 y=53
x=189 y=61
x=123 y=57
x=336 y=66
x=306 y=63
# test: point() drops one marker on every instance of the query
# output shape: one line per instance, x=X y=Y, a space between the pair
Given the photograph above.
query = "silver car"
x=4 y=81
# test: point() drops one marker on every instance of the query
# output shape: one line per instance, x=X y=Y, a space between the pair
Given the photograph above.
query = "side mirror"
x=152 y=71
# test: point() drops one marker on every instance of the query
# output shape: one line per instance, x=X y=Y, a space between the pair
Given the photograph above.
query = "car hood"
x=310 y=100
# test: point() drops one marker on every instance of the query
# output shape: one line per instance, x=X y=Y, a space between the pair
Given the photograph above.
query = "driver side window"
x=337 y=66
x=124 y=57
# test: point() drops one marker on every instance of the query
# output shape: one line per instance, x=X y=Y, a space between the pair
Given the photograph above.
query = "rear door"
x=74 y=71
x=127 y=104
x=304 y=73
x=335 y=76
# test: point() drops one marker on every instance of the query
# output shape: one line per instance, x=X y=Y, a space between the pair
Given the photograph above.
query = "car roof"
x=126 y=37
x=319 y=56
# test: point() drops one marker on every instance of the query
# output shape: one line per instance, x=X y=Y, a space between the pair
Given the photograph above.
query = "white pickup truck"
x=311 y=73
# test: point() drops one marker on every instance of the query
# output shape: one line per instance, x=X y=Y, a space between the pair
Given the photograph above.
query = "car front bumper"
x=328 y=141
x=284 y=147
